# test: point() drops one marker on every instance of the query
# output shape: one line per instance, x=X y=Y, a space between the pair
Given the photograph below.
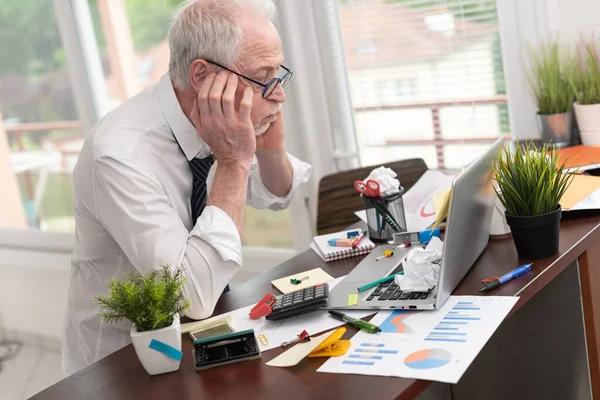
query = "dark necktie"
x=200 y=168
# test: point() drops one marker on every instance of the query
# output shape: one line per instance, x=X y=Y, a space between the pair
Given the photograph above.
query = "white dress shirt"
x=132 y=188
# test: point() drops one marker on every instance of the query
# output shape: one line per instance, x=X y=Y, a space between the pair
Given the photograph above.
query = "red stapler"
x=263 y=307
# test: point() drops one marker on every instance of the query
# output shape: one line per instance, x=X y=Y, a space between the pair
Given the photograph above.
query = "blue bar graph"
x=442 y=328
x=372 y=344
x=453 y=322
x=464 y=308
x=358 y=362
x=378 y=351
x=464 y=302
x=453 y=312
x=365 y=356
x=462 y=318
x=448 y=333
x=444 y=340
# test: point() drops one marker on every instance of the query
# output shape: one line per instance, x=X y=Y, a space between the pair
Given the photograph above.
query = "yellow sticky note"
x=353 y=299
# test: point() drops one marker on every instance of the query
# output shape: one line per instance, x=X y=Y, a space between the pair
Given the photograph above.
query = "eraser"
x=340 y=242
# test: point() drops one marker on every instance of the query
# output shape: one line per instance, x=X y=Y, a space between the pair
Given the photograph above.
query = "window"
x=40 y=134
x=138 y=59
x=430 y=83
x=39 y=131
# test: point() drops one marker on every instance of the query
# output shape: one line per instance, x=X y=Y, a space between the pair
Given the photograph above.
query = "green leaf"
x=530 y=180
x=148 y=300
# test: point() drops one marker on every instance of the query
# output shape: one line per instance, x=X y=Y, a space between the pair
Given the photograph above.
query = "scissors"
x=369 y=188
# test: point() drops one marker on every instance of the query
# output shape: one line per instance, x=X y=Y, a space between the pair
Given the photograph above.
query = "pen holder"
x=383 y=210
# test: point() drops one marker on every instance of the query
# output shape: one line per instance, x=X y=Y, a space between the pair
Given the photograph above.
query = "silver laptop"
x=467 y=234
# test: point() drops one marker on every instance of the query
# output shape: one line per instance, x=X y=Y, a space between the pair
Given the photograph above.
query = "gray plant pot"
x=556 y=129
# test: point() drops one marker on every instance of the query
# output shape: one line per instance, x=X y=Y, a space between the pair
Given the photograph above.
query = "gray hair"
x=209 y=29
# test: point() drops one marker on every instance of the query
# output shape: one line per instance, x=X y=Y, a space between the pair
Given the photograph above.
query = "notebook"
x=331 y=253
x=582 y=157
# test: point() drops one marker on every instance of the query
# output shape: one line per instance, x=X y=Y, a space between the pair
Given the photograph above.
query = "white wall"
x=577 y=17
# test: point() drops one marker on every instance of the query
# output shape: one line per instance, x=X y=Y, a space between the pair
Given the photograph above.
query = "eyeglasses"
x=269 y=86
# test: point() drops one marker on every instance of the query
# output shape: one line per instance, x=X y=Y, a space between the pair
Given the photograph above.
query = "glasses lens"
x=270 y=88
x=286 y=79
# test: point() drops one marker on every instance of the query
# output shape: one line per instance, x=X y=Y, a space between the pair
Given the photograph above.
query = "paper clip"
x=263 y=307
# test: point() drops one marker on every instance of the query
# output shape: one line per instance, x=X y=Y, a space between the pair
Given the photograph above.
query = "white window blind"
x=425 y=77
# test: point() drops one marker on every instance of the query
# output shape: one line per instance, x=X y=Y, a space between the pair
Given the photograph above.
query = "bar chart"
x=456 y=323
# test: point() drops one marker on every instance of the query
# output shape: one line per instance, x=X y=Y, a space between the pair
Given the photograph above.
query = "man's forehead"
x=261 y=47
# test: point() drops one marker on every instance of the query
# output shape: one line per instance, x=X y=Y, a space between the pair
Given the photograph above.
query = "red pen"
x=357 y=240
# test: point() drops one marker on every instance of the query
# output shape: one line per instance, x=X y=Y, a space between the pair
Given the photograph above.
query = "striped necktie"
x=199 y=168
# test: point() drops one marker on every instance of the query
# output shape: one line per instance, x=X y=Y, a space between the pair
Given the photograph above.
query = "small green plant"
x=530 y=180
x=548 y=80
x=585 y=76
x=149 y=300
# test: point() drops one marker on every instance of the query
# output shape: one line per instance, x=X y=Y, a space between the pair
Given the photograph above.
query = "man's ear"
x=197 y=72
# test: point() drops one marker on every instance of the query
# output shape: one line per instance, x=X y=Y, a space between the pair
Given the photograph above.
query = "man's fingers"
x=228 y=100
x=216 y=93
x=246 y=103
x=203 y=104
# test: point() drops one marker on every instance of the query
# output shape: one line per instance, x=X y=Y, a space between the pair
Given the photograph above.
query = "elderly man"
x=165 y=177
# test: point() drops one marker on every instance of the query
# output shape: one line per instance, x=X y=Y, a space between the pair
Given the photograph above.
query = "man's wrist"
x=271 y=155
x=235 y=166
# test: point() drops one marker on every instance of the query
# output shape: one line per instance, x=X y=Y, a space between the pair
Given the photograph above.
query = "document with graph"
x=433 y=345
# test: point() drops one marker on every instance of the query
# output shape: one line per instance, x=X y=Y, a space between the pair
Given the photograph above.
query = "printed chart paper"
x=433 y=345
x=271 y=334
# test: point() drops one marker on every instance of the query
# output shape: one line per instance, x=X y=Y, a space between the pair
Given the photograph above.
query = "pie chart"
x=428 y=359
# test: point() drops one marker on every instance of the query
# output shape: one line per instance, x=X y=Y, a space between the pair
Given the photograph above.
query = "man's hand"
x=272 y=139
x=228 y=132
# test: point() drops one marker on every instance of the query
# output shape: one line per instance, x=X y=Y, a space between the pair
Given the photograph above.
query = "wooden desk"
x=121 y=376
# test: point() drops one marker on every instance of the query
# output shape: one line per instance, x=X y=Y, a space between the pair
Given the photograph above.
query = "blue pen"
x=515 y=273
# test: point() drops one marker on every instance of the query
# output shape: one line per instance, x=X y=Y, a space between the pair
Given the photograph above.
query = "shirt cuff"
x=301 y=172
x=216 y=228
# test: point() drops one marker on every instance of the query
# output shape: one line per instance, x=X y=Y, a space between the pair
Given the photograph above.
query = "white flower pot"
x=588 y=121
x=155 y=362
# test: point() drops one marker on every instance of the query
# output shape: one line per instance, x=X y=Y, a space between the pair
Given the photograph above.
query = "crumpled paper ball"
x=385 y=176
x=420 y=273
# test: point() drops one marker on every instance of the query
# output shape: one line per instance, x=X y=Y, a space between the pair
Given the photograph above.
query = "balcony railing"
x=438 y=140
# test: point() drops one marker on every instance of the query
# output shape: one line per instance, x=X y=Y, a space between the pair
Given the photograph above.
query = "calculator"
x=299 y=302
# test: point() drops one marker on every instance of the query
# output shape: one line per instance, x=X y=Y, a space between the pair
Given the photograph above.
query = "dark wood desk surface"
x=121 y=376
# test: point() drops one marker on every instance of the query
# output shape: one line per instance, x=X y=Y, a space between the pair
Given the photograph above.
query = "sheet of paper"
x=418 y=201
x=433 y=345
x=582 y=187
x=271 y=334
x=294 y=355
x=592 y=202
x=309 y=278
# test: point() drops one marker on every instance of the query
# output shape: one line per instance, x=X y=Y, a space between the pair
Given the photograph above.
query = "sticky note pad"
x=353 y=299
x=167 y=350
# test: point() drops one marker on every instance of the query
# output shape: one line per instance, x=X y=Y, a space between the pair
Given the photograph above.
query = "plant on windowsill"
x=152 y=302
x=548 y=75
x=585 y=83
x=530 y=184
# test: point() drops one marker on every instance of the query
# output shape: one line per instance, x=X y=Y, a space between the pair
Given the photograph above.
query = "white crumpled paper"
x=420 y=274
x=385 y=176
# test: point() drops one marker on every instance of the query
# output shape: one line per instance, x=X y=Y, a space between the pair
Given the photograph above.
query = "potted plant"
x=152 y=303
x=530 y=183
x=585 y=83
x=549 y=83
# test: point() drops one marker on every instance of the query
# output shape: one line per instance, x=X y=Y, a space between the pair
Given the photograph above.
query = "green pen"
x=378 y=282
x=357 y=323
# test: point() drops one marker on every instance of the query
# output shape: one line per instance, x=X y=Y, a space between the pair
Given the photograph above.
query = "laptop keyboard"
x=391 y=291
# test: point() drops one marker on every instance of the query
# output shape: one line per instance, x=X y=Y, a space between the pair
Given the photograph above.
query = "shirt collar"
x=183 y=129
